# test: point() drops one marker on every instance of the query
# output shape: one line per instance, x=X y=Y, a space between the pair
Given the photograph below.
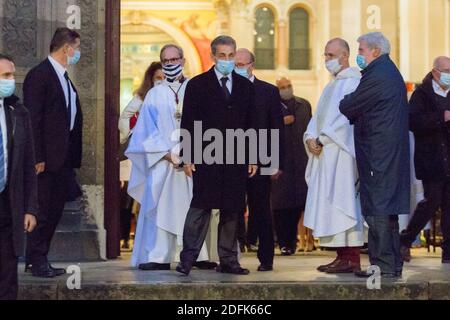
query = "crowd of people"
x=344 y=173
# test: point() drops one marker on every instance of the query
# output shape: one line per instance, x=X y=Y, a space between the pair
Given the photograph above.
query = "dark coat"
x=22 y=180
x=290 y=190
x=218 y=186
x=269 y=115
x=44 y=98
x=379 y=110
x=431 y=133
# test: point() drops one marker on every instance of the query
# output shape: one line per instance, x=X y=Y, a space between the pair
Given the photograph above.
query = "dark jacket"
x=218 y=186
x=269 y=116
x=431 y=133
x=44 y=98
x=22 y=181
x=379 y=110
x=290 y=190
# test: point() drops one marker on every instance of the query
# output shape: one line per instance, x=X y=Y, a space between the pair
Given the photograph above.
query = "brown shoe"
x=344 y=266
x=323 y=268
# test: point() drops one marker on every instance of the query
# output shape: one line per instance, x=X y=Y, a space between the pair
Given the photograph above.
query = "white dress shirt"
x=439 y=91
x=60 y=71
x=4 y=135
x=252 y=79
x=229 y=82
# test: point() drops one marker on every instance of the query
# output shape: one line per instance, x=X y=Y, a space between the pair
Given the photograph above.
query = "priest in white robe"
x=157 y=182
x=333 y=209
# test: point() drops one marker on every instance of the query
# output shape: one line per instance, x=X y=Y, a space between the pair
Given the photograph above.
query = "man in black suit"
x=219 y=100
x=56 y=116
x=18 y=183
x=269 y=116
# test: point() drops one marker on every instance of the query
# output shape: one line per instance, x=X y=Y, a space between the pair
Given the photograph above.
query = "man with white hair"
x=430 y=123
x=333 y=210
x=379 y=111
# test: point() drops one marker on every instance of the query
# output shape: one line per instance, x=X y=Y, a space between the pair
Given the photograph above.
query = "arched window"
x=265 y=38
x=299 y=51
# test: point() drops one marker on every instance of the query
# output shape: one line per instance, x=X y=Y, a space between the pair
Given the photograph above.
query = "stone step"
x=81 y=245
x=313 y=290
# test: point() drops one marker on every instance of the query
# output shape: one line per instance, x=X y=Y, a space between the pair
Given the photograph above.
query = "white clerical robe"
x=163 y=191
x=333 y=209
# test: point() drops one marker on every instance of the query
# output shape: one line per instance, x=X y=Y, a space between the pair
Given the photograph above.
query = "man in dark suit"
x=216 y=100
x=269 y=116
x=56 y=116
x=18 y=183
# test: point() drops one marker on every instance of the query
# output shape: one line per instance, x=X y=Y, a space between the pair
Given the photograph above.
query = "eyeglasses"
x=170 y=61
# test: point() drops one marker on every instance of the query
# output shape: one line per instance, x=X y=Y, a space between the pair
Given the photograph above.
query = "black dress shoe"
x=28 y=268
x=365 y=274
x=232 y=270
x=286 y=251
x=205 y=265
x=182 y=269
x=153 y=266
x=57 y=271
x=265 y=267
x=43 y=271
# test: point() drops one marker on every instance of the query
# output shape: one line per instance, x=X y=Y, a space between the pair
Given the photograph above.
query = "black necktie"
x=225 y=90
x=69 y=105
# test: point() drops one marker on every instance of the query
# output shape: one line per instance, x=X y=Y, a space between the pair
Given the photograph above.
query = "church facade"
x=121 y=38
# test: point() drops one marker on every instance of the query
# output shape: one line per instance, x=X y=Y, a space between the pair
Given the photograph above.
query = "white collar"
x=252 y=78
x=2 y=102
x=220 y=76
x=58 y=67
x=439 y=91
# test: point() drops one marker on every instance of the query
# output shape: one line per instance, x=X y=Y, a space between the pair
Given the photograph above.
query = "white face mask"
x=333 y=66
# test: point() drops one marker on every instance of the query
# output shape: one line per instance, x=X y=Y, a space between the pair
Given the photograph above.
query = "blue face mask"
x=445 y=79
x=7 y=87
x=361 y=61
x=76 y=57
x=242 y=72
x=225 y=67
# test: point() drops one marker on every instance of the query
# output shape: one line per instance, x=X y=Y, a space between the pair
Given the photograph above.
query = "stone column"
x=283 y=44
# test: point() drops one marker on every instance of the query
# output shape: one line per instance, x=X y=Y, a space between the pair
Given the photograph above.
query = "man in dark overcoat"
x=217 y=100
x=379 y=110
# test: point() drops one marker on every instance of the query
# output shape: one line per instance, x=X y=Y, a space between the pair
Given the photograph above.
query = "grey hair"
x=222 y=40
x=376 y=40
x=168 y=46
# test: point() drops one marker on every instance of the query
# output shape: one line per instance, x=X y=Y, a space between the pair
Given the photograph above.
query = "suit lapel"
x=56 y=83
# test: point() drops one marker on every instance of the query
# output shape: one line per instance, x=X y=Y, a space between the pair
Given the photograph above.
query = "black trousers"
x=195 y=231
x=437 y=195
x=260 y=214
x=384 y=243
x=53 y=190
x=286 y=225
x=8 y=259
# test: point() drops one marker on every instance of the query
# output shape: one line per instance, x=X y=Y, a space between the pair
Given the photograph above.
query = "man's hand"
x=40 y=167
x=173 y=159
x=288 y=120
x=313 y=147
x=188 y=169
x=29 y=223
x=252 y=169
x=447 y=116
x=277 y=175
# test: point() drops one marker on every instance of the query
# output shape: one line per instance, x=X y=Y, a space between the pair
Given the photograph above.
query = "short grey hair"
x=222 y=40
x=168 y=46
x=376 y=40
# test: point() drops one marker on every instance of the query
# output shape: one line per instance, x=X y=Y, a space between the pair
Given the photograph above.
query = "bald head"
x=245 y=59
x=284 y=83
x=337 y=49
x=441 y=65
